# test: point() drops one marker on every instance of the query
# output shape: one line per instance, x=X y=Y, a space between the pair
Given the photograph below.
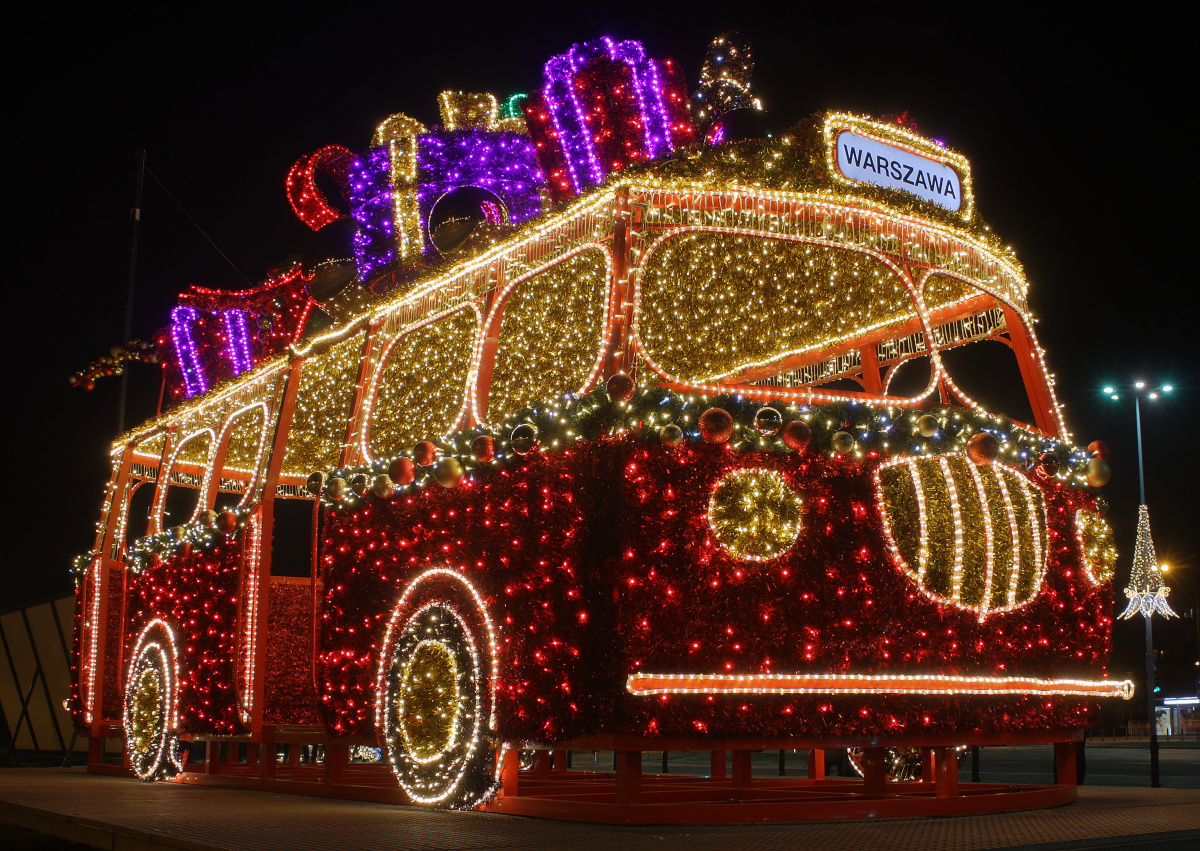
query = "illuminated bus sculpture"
x=621 y=462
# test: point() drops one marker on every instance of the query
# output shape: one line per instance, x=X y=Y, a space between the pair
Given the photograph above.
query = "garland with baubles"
x=657 y=415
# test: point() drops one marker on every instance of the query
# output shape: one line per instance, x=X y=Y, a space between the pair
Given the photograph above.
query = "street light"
x=1147 y=591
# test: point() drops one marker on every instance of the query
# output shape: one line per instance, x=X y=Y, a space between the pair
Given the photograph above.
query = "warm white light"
x=1140 y=385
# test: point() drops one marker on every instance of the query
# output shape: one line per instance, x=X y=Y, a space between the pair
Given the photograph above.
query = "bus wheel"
x=150 y=697
x=435 y=703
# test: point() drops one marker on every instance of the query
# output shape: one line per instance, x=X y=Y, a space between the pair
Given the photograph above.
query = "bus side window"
x=138 y=517
x=291 y=546
x=183 y=485
x=180 y=504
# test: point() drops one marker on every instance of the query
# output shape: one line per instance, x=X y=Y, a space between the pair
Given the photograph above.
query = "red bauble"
x=620 y=387
x=425 y=452
x=716 y=425
x=227 y=522
x=1099 y=449
x=983 y=448
x=402 y=471
x=796 y=435
x=484 y=448
x=1048 y=464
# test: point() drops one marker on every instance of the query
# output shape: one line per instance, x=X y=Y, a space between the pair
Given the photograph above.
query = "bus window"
x=138 y=516
x=291 y=546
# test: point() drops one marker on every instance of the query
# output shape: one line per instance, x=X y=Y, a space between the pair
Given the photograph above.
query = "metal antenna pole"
x=135 y=216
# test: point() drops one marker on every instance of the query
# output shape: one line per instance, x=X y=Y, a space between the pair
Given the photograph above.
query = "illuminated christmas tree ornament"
x=1146 y=591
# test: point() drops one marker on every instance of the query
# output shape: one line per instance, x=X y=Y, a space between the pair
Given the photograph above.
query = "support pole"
x=742 y=770
x=337 y=758
x=928 y=766
x=1150 y=665
x=946 y=785
x=135 y=216
x=212 y=757
x=874 y=770
x=629 y=777
x=1064 y=764
x=716 y=763
x=816 y=764
x=509 y=771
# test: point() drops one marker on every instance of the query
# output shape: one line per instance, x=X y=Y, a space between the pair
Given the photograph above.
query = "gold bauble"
x=1098 y=472
x=928 y=425
x=448 y=472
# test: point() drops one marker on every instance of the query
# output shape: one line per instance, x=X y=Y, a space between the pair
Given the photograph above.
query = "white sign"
x=872 y=161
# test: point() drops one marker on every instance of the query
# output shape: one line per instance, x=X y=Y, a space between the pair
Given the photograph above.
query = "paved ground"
x=124 y=814
x=1108 y=764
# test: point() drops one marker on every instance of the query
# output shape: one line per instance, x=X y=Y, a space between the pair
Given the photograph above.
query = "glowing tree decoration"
x=604 y=106
x=1146 y=591
x=725 y=78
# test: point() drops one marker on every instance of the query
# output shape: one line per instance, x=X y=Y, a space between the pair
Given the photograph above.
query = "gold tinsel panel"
x=195 y=449
x=942 y=290
x=323 y=408
x=551 y=334
x=420 y=388
x=1096 y=542
x=712 y=304
x=245 y=439
x=950 y=557
x=152 y=446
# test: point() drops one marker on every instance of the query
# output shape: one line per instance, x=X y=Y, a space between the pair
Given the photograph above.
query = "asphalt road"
x=1107 y=764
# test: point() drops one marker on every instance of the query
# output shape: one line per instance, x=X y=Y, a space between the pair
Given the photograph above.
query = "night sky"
x=1071 y=129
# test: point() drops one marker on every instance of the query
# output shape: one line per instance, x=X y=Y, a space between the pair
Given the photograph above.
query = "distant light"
x=1153 y=395
x=1110 y=390
x=1115 y=396
x=1167 y=388
x=1140 y=385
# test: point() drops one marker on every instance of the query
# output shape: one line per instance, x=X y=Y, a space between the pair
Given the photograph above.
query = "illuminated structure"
x=596 y=481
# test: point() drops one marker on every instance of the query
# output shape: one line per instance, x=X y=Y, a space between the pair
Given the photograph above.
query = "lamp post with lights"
x=1147 y=592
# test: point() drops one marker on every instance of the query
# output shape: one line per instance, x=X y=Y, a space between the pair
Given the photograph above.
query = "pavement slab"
x=127 y=815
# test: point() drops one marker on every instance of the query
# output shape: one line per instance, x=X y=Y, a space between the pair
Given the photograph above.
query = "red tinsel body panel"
x=287 y=646
x=113 y=698
x=196 y=592
x=598 y=562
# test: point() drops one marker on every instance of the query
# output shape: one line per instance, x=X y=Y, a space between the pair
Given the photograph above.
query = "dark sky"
x=1074 y=130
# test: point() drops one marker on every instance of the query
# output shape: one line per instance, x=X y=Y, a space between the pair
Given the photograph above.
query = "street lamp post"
x=1146 y=591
